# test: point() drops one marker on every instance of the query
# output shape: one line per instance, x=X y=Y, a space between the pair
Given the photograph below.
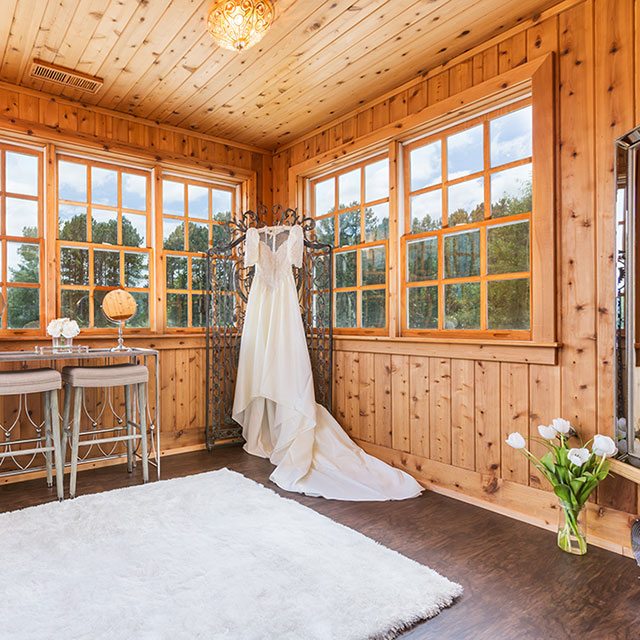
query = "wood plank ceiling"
x=321 y=58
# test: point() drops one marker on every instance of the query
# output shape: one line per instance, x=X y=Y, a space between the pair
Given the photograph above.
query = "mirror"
x=119 y=306
x=627 y=314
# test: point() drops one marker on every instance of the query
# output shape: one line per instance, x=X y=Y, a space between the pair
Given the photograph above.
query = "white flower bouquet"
x=63 y=331
x=573 y=472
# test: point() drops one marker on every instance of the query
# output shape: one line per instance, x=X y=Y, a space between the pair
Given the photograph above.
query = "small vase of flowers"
x=573 y=472
x=62 y=332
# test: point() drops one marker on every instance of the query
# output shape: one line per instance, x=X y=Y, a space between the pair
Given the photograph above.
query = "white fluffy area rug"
x=212 y=556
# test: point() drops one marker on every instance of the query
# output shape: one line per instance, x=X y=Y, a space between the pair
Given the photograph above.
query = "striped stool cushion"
x=14 y=383
x=115 y=375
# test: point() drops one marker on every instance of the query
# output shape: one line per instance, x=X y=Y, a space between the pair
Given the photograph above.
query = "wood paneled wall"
x=45 y=118
x=444 y=416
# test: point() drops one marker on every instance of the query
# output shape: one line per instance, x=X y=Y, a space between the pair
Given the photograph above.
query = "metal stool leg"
x=48 y=457
x=58 y=450
x=75 y=438
x=66 y=425
x=129 y=420
x=142 y=405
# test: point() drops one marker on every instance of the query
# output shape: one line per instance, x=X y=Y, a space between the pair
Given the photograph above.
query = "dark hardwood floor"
x=517 y=584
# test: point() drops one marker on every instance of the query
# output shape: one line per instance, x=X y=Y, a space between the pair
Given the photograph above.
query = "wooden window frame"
x=483 y=226
x=91 y=246
x=358 y=248
x=186 y=179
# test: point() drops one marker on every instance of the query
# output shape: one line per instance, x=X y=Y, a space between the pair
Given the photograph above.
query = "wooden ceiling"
x=319 y=60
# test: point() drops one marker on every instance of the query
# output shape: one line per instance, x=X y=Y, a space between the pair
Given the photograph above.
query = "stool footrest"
x=88 y=443
x=25 y=452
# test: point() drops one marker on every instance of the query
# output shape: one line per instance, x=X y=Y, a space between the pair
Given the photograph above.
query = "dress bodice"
x=274 y=250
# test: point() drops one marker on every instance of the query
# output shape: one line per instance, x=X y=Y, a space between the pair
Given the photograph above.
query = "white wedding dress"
x=274 y=398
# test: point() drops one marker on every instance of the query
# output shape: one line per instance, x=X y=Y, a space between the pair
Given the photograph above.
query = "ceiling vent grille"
x=67 y=77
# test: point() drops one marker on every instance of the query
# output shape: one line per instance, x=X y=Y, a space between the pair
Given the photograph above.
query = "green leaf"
x=563 y=492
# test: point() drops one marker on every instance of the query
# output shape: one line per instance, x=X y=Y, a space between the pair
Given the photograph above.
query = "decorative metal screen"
x=229 y=283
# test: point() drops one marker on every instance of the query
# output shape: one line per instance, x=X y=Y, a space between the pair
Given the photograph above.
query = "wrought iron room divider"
x=228 y=289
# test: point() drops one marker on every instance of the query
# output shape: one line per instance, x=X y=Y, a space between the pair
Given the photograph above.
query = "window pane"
x=325 y=231
x=136 y=270
x=224 y=275
x=173 y=234
x=426 y=165
x=172 y=197
x=346 y=269
x=23 y=308
x=462 y=306
x=221 y=235
x=141 y=319
x=104 y=186
x=22 y=217
x=508 y=248
x=72 y=181
x=320 y=310
x=426 y=211
x=21 y=173
x=374 y=268
x=72 y=223
x=349 y=228
x=321 y=278
x=325 y=196
x=106 y=268
x=462 y=254
x=199 y=274
x=198 y=237
x=100 y=320
x=376 y=180
x=422 y=307
x=75 y=305
x=345 y=309
x=134 y=191
x=511 y=137
x=177 y=314
x=221 y=204
x=177 y=275
x=349 y=189
x=198 y=201
x=74 y=266
x=376 y=222
x=508 y=304
x=466 y=202
x=465 y=152
x=511 y=191
x=374 y=308
x=104 y=227
x=199 y=310
x=134 y=230
x=422 y=260
x=23 y=262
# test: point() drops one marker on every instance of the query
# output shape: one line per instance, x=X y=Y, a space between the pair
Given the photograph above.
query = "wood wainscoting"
x=443 y=415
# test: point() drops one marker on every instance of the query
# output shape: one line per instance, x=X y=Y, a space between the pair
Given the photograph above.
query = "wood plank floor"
x=517 y=584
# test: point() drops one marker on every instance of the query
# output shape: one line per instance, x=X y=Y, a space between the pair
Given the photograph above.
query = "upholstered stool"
x=47 y=382
x=129 y=376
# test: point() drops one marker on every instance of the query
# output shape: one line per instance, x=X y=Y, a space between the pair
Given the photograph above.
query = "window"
x=351 y=208
x=466 y=253
x=104 y=238
x=194 y=214
x=21 y=237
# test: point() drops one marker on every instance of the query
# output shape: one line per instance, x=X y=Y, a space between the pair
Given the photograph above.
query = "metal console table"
x=134 y=355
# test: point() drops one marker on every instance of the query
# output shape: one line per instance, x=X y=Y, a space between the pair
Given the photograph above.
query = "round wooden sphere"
x=119 y=305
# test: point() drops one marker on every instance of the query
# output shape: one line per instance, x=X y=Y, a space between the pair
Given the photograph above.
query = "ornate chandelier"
x=239 y=24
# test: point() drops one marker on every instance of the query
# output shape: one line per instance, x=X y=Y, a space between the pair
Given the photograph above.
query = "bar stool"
x=129 y=376
x=48 y=382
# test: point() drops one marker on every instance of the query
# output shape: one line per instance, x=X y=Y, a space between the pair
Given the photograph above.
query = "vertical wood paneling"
x=352 y=372
x=366 y=373
x=514 y=416
x=420 y=405
x=383 y=400
x=401 y=437
x=487 y=379
x=463 y=446
x=440 y=409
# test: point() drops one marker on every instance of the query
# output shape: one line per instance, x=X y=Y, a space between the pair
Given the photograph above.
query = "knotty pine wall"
x=443 y=415
x=182 y=360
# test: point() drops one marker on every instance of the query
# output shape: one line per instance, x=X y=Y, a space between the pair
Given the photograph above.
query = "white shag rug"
x=212 y=556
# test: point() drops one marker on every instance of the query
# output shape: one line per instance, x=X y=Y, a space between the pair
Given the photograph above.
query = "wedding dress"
x=275 y=400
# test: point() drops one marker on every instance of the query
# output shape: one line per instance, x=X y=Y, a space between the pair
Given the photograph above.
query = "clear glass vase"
x=62 y=344
x=572 y=529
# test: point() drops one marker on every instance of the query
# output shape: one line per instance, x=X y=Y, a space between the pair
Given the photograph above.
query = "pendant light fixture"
x=239 y=24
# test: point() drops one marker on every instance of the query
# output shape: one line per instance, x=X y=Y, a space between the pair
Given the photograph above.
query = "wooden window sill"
x=462 y=349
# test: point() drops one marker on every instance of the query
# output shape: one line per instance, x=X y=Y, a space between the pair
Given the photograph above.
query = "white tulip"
x=604 y=446
x=578 y=456
x=54 y=328
x=70 y=329
x=516 y=441
x=561 y=425
x=547 y=432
